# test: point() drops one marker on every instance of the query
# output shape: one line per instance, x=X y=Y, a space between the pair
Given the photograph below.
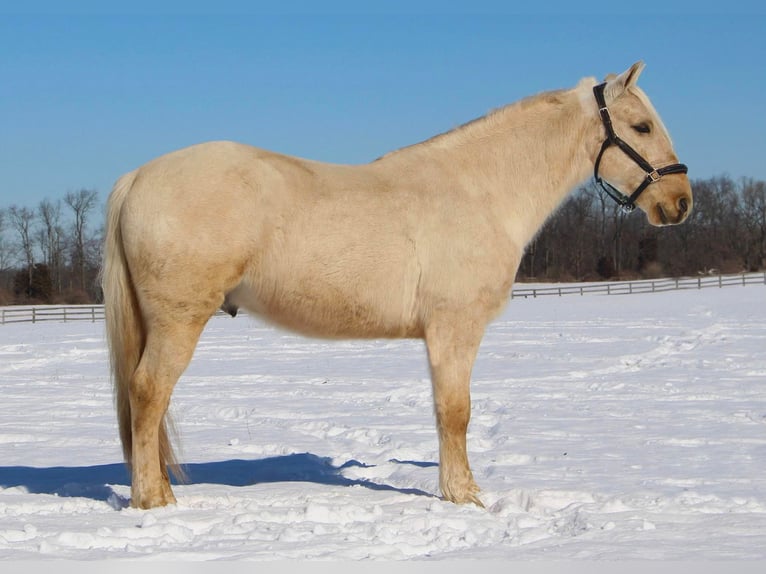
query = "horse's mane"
x=483 y=124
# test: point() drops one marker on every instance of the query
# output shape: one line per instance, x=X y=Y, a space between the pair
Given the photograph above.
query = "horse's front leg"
x=452 y=347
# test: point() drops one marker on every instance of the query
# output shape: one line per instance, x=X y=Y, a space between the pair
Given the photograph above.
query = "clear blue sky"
x=85 y=98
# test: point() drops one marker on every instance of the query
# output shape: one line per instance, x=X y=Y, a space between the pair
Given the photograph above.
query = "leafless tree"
x=754 y=219
x=51 y=239
x=5 y=257
x=81 y=203
x=6 y=254
x=590 y=237
x=22 y=219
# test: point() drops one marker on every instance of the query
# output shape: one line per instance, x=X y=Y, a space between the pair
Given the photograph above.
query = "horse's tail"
x=125 y=329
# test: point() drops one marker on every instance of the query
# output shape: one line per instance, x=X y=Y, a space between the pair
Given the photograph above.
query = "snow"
x=603 y=428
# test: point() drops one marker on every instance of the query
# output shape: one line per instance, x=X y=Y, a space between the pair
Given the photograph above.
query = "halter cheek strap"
x=628 y=203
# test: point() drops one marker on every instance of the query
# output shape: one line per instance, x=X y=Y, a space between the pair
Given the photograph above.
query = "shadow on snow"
x=94 y=481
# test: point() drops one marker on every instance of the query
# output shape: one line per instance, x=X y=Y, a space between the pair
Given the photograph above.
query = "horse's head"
x=636 y=163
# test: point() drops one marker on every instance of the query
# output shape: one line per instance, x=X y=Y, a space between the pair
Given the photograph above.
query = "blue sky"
x=85 y=98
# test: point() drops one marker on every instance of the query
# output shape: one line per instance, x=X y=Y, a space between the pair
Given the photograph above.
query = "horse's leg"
x=452 y=343
x=169 y=348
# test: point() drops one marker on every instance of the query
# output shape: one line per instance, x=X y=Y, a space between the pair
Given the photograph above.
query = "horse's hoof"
x=148 y=502
x=469 y=496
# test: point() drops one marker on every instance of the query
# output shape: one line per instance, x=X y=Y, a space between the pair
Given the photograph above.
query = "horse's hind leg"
x=452 y=346
x=169 y=347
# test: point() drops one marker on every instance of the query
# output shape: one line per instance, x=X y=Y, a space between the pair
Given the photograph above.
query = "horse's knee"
x=453 y=413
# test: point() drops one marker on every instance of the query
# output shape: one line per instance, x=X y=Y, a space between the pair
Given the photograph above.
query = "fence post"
x=34 y=316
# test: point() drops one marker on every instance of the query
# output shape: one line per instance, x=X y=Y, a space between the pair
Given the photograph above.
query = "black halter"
x=652 y=174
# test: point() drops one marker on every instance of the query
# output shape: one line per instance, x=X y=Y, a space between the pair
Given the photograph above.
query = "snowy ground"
x=622 y=427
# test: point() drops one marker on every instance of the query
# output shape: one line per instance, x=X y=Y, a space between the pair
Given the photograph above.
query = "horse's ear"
x=616 y=85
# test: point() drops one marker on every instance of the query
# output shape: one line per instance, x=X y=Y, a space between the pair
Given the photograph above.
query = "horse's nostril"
x=661 y=214
x=683 y=205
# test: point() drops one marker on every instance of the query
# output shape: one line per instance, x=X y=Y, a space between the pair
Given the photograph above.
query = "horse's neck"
x=537 y=152
x=526 y=157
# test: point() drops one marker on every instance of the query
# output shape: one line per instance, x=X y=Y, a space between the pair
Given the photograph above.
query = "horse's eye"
x=642 y=128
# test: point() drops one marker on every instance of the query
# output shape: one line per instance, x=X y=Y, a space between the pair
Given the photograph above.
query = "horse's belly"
x=332 y=310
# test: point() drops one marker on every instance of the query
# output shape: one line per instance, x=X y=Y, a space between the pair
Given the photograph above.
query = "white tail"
x=124 y=327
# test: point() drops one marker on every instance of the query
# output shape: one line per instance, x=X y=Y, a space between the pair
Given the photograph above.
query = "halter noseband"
x=652 y=175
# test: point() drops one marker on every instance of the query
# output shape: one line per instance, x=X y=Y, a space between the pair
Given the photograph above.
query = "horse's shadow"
x=94 y=481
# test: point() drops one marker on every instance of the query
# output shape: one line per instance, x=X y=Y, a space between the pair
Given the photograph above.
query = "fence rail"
x=643 y=286
x=42 y=313
x=93 y=313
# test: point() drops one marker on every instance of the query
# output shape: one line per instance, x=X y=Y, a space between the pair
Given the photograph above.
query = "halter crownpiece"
x=628 y=203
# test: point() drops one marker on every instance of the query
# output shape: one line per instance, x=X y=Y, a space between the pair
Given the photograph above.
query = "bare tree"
x=575 y=253
x=51 y=239
x=81 y=203
x=21 y=219
x=5 y=257
x=754 y=218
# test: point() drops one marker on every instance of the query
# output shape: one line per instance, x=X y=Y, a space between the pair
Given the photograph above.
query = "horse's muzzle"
x=671 y=212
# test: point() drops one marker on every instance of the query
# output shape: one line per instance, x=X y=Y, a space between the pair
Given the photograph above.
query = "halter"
x=653 y=175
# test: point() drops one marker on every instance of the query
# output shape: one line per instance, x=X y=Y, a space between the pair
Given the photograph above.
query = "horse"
x=423 y=242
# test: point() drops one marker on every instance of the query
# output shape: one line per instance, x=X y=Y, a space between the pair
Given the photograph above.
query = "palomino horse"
x=424 y=242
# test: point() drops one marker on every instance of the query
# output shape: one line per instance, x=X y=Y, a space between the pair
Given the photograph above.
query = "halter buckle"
x=653 y=176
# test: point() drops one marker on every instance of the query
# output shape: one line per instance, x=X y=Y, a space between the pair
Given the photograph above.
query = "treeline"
x=52 y=253
x=589 y=238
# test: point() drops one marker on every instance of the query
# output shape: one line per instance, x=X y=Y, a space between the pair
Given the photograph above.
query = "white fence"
x=93 y=313
x=41 y=313
x=643 y=286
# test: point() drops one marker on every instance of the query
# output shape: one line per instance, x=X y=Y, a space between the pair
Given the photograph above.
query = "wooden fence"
x=42 y=313
x=93 y=313
x=643 y=286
